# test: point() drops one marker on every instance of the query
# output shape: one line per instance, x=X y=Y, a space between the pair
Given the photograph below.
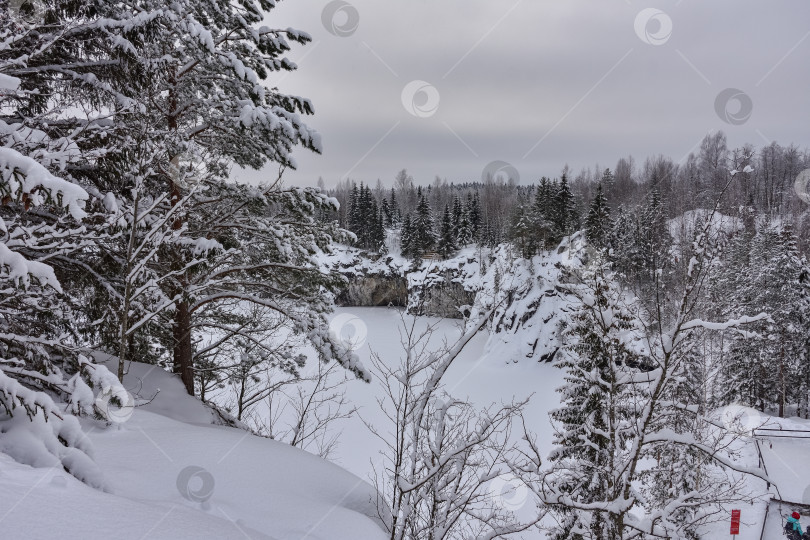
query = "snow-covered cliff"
x=530 y=296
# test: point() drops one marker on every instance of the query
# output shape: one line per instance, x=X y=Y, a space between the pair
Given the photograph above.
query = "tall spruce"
x=446 y=244
x=598 y=223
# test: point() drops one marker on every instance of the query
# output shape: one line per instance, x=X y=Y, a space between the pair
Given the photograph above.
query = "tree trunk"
x=183 y=353
x=782 y=382
x=126 y=339
x=183 y=358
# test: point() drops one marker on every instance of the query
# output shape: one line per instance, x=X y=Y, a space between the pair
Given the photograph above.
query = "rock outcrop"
x=375 y=291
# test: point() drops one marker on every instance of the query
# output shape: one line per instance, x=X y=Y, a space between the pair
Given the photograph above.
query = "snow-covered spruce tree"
x=542 y=214
x=386 y=214
x=44 y=378
x=598 y=223
x=473 y=210
x=353 y=222
x=447 y=238
x=464 y=233
x=521 y=233
x=45 y=116
x=595 y=406
x=682 y=469
x=41 y=367
x=607 y=180
x=365 y=219
x=645 y=419
x=393 y=205
x=406 y=241
x=563 y=209
x=423 y=230
x=654 y=239
x=622 y=243
x=744 y=378
x=640 y=245
x=458 y=213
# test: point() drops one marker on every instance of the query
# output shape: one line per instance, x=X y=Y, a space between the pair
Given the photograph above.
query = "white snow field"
x=480 y=374
x=258 y=488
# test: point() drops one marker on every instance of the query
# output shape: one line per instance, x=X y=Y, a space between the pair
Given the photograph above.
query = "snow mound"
x=175 y=475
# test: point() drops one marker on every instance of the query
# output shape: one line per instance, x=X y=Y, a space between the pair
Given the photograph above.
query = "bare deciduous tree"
x=440 y=454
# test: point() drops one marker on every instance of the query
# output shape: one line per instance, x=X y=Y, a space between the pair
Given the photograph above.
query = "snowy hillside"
x=174 y=476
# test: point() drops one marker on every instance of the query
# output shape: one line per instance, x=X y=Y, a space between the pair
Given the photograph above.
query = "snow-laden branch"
x=731 y=323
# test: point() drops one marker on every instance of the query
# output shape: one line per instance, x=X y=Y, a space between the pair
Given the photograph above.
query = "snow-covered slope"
x=531 y=298
x=174 y=475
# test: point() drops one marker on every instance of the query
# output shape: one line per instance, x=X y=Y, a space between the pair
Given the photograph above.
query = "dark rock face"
x=375 y=291
x=447 y=300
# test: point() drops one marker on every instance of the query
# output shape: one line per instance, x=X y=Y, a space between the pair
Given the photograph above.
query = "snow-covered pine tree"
x=207 y=108
x=266 y=247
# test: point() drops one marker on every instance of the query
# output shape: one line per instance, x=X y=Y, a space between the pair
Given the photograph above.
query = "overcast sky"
x=539 y=83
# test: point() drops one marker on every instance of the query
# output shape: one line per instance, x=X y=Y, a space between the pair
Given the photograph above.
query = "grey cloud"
x=528 y=75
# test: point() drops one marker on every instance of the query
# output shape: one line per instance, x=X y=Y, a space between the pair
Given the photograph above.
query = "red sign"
x=735 y=522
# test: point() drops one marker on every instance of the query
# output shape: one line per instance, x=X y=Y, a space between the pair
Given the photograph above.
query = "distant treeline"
x=444 y=216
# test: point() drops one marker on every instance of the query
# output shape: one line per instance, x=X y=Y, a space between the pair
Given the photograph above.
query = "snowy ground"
x=243 y=486
x=261 y=488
